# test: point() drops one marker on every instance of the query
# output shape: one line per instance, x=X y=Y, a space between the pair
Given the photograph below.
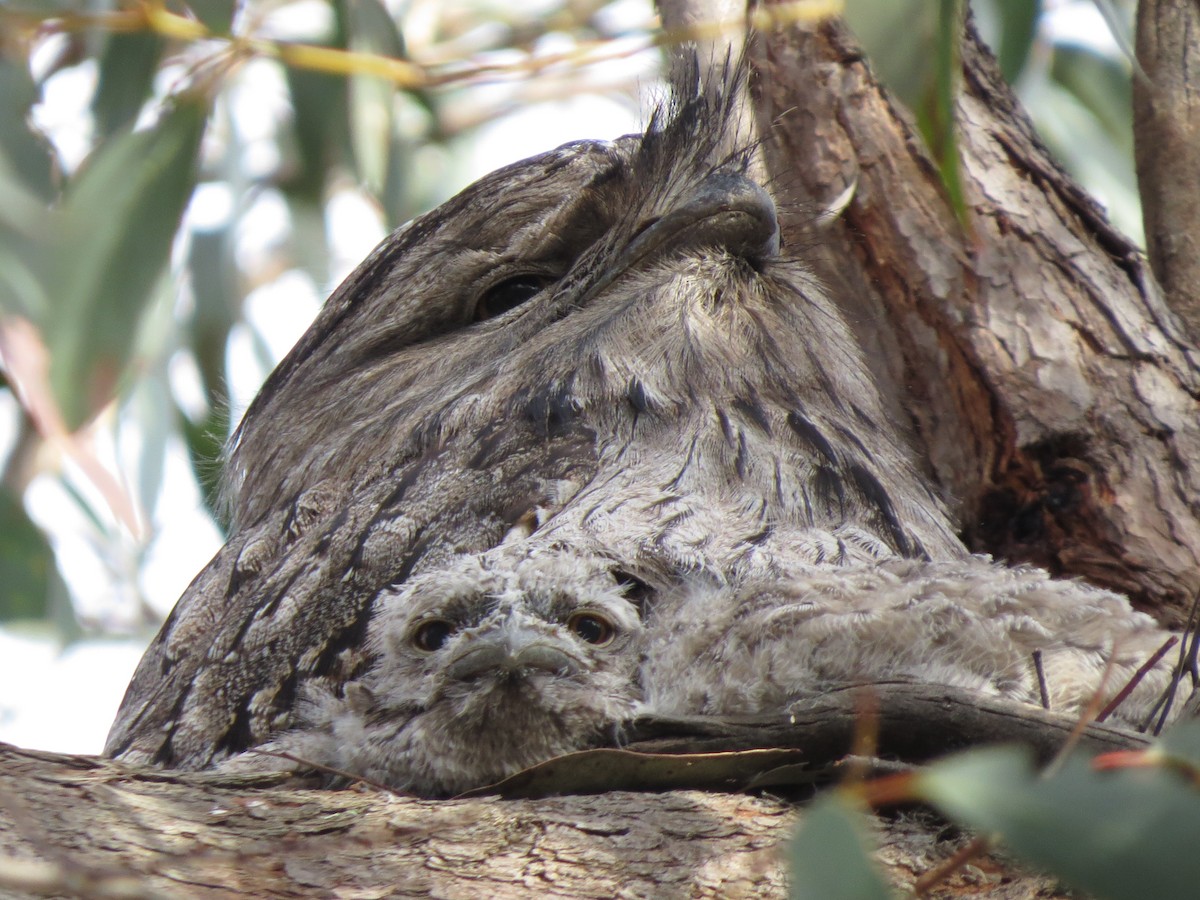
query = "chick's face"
x=506 y=668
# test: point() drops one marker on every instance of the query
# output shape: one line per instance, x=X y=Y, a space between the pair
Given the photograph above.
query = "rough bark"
x=84 y=826
x=1166 y=135
x=1050 y=389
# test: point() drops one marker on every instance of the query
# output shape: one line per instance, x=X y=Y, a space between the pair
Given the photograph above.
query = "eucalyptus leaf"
x=1102 y=84
x=24 y=225
x=127 y=68
x=216 y=292
x=1123 y=835
x=27 y=154
x=150 y=405
x=217 y=15
x=829 y=856
x=1119 y=25
x=371 y=29
x=320 y=121
x=1010 y=28
x=923 y=70
x=1087 y=150
x=320 y=129
x=26 y=563
x=115 y=231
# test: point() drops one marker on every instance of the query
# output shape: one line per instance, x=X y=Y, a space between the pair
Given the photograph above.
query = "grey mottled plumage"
x=967 y=623
x=600 y=353
x=486 y=667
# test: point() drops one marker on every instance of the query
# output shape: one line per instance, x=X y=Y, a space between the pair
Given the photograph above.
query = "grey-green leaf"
x=26 y=563
x=114 y=235
x=1123 y=835
x=1010 y=28
x=372 y=119
x=923 y=70
x=127 y=69
x=28 y=154
x=829 y=857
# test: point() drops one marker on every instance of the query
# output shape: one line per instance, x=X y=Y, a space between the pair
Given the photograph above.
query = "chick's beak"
x=510 y=649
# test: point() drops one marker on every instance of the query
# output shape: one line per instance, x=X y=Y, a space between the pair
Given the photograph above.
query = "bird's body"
x=758 y=646
x=598 y=352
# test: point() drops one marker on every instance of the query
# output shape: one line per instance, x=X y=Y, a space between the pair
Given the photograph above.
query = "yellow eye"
x=592 y=627
x=432 y=634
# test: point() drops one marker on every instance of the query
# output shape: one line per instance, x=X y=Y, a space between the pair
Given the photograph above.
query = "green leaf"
x=1182 y=741
x=127 y=68
x=1124 y=835
x=155 y=415
x=829 y=856
x=923 y=69
x=905 y=66
x=1087 y=150
x=216 y=292
x=216 y=15
x=27 y=154
x=25 y=190
x=319 y=126
x=371 y=29
x=937 y=118
x=22 y=236
x=115 y=232
x=1010 y=28
x=1103 y=85
x=1117 y=18
x=320 y=121
x=26 y=563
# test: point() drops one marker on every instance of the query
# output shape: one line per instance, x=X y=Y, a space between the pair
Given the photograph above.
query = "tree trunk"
x=1049 y=389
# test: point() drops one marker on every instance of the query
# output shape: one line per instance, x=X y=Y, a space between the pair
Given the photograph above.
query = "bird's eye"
x=592 y=627
x=509 y=294
x=432 y=634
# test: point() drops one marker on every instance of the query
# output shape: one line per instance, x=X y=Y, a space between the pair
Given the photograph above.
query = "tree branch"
x=1166 y=132
x=84 y=825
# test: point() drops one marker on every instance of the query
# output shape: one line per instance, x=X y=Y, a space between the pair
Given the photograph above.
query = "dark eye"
x=634 y=590
x=592 y=627
x=509 y=294
x=431 y=635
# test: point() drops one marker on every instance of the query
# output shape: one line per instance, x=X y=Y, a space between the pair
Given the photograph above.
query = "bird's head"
x=594 y=273
x=499 y=665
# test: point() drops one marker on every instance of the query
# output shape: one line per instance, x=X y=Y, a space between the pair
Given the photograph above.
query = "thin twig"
x=1135 y=678
x=939 y=873
x=155 y=18
x=1186 y=663
x=1043 y=691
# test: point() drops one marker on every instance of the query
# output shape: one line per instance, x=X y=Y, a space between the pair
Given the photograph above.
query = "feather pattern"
x=600 y=355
